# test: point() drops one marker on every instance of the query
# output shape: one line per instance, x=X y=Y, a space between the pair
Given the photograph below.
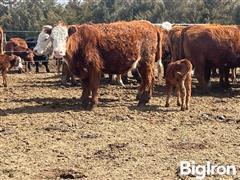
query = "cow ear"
x=71 y=30
x=47 y=30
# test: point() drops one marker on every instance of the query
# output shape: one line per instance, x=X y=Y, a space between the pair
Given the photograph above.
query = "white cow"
x=49 y=43
x=44 y=43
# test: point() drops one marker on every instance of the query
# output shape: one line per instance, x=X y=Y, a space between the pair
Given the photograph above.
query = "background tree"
x=31 y=15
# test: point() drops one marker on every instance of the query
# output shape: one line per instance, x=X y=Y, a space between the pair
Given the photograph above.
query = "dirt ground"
x=45 y=134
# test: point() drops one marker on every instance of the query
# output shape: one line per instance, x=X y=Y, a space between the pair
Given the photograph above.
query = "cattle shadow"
x=45 y=105
x=51 y=105
x=216 y=91
x=49 y=84
x=55 y=76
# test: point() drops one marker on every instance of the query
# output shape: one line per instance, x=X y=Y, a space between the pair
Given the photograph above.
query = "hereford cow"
x=112 y=48
x=179 y=74
x=19 y=47
x=1 y=40
x=210 y=46
x=31 y=42
x=44 y=47
x=6 y=63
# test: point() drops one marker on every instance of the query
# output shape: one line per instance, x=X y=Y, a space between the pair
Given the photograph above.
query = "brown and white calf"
x=6 y=63
x=178 y=74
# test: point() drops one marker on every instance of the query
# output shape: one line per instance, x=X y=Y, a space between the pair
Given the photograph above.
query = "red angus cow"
x=210 y=46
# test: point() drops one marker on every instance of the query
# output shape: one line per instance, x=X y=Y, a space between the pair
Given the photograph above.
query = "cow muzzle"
x=58 y=54
x=38 y=53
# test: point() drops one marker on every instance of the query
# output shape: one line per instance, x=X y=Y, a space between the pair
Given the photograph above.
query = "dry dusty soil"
x=45 y=134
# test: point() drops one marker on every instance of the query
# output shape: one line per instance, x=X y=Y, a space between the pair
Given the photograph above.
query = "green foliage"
x=32 y=15
x=236 y=16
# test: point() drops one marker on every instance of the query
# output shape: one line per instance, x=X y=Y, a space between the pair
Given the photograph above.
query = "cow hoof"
x=167 y=105
x=183 y=109
x=141 y=104
x=92 y=106
x=144 y=98
x=85 y=104
x=5 y=85
x=138 y=96
x=178 y=104
x=73 y=84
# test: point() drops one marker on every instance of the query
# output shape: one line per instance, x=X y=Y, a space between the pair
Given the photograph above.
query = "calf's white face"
x=44 y=42
x=59 y=37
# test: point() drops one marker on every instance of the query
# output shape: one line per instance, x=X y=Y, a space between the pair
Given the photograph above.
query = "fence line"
x=15 y=51
x=25 y=62
x=15 y=31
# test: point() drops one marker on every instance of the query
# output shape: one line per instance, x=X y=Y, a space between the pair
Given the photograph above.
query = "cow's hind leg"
x=200 y=75
x=4 y=75
x=145 y=90
x=178 y=95
x=234 y=75
x=183 y=95
x=169 y=91
x=188 y=85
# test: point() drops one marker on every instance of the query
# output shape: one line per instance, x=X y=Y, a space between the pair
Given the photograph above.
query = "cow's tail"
x=181 y=53
x=1 y=41
x=159 y=53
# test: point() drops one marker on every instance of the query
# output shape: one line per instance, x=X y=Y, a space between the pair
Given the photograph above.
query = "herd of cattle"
x=88 y=50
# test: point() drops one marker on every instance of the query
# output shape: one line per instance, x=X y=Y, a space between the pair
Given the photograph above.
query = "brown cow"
x=113 y=48
x=6 y=63
x=210 y=46
x=179 y=74
x=1 y=40
x=175 y=39
x=19 y=47
x=19 y=42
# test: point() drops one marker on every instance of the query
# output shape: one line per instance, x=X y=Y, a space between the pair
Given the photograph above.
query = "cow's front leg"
x=85 y=93
x=4 y=75
x=94 y=85
x=145 y=91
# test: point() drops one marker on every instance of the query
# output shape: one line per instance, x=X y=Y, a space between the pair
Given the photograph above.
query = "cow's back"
x=19 y=42
x=120 y=43
x=217 y=44
x=134 y=33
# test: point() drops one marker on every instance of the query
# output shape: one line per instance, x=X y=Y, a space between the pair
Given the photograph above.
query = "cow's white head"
x=166 y=25
x=44 y=42
x=59 y=37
